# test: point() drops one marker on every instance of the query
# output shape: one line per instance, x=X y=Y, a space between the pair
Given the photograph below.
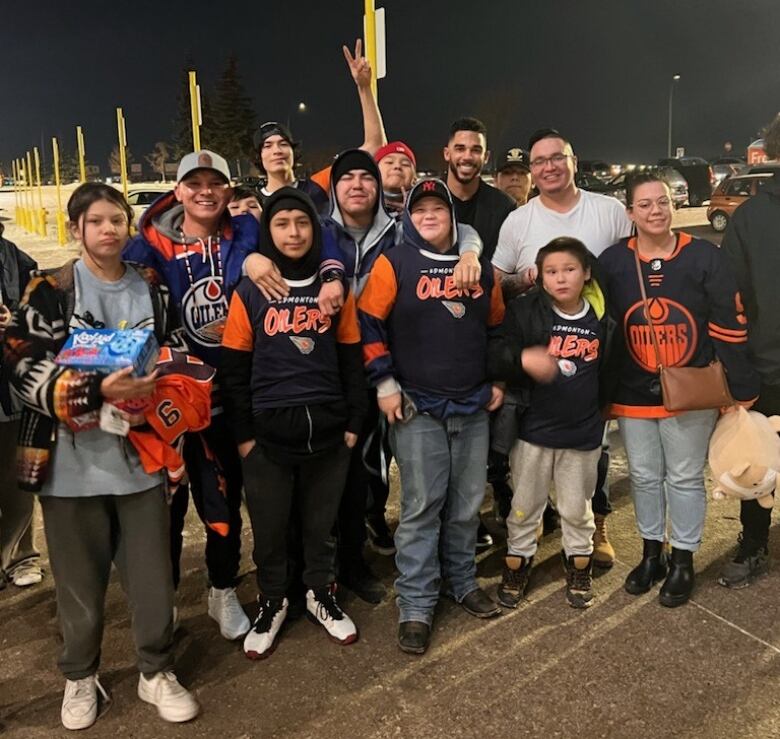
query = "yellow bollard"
x=41 y=209
x=61 y=235
x=16 y=191
x=31 y=216
x=24 y=223
x=20 y=174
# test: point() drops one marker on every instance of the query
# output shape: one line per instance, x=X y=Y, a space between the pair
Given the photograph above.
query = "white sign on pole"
x=381 y=56
x=680 y=152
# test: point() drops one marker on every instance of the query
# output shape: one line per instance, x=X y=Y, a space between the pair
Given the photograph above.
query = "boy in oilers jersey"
x=199 y=251
x=425 y=349
x=296 y=399
x=551 y=353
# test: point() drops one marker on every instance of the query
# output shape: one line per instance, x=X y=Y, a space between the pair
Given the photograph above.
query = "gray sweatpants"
x=85 y=535
x=16 y=506
x=534 y=469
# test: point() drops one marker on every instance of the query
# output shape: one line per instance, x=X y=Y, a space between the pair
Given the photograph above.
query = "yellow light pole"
x=41 y=211
x=22 y=219
x=80 y=147
x=370 y=33
x=195 y=111
x=16 y=190
x=61 y=237
x=122 y=136
x=31 y=218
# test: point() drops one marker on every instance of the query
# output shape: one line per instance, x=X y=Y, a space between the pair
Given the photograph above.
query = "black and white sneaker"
x=323 y=609
x=379 y=536
x=260 y=641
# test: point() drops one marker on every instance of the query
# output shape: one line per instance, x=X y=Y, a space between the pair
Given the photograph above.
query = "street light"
x=671 y=99
x=300 y=108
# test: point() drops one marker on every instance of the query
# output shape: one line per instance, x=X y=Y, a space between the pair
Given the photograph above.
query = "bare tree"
x=113 y=159
x=157 y=159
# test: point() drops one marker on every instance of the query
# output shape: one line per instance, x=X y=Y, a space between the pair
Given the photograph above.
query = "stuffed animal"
x=744 y=456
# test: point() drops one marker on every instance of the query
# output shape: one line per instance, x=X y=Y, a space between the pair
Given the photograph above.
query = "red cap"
x=395 y=147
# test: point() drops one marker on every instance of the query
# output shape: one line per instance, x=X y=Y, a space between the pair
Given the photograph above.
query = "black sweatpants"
x=274 y=491
x=756 y=519
x=351 y=530
x=223 y=553
x=84 y=536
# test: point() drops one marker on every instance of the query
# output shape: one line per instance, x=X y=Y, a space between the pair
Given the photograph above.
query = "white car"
x=141 y=197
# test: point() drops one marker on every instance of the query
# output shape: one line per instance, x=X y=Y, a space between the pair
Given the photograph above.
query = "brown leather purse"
x=686 y=388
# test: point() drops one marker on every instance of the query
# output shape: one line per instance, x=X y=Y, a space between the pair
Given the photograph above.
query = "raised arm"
x=373 y=128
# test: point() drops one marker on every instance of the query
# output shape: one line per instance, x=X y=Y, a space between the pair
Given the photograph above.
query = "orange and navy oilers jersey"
x=696 y=314
x=420 y=329
x=294 y=345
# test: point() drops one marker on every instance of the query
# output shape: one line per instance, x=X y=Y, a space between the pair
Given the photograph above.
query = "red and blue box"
x=107 y=350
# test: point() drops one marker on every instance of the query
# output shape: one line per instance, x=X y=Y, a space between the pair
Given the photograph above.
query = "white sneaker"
x=174 y=702
x=260 y=642
x=26 y=573
x=80 y=702
x=226 y=610
x=323 y=609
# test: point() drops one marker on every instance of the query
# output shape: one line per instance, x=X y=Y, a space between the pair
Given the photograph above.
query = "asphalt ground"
x=626 y=667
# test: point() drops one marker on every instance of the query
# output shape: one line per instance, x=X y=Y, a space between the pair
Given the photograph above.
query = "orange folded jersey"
x=181 y=403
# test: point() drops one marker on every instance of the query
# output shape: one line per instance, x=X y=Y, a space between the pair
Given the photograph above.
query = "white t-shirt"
x=598 y=221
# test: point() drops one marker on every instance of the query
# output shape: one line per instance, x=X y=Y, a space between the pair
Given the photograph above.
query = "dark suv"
x=697 y=173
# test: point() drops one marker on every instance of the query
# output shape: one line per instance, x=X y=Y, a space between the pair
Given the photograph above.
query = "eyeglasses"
x=646 y=205
x=556 y=160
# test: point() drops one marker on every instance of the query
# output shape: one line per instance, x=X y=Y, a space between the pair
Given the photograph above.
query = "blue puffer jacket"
x=200 y=274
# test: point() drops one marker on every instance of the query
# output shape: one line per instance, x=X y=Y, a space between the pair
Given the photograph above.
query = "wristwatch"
x=331 y=275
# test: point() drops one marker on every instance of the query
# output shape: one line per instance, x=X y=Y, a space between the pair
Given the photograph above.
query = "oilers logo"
x=204 y=310
x=458 y=310
x=304 y=344
x=567 y=367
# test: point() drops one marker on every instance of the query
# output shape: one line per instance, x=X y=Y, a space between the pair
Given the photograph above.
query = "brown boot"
x=603 y=553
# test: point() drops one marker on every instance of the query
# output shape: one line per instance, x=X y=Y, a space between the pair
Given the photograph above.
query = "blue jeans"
x=443 y=467
x=666 y=458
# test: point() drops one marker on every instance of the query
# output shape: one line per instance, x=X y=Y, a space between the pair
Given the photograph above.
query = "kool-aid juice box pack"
x=107 y=350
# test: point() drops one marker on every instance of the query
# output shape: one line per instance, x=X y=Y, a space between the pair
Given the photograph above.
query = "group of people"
x=317 y=328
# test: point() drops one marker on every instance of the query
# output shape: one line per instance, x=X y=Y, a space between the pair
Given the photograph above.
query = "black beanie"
x=354 y=159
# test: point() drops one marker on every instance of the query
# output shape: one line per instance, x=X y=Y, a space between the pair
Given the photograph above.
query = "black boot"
x=678 y=586
x=650 y=570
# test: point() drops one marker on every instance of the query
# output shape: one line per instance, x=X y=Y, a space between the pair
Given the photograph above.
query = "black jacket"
x=528 y=322
x=16 y=267
x=751 y=244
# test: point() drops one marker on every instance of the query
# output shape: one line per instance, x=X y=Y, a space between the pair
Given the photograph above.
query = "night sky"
x=598 y=70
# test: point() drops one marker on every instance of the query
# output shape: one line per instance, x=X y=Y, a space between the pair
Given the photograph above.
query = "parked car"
x=764 y=168
x=677 y=184
x=595 y=167
x=616 y=186
x=697 y=173
x=730 y=194
x=722 y=170
x=142 y=197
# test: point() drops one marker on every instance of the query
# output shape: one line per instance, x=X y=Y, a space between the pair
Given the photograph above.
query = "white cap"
x=203 y=159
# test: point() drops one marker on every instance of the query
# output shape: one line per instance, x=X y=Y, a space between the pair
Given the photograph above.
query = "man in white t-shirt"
x=561 y=209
